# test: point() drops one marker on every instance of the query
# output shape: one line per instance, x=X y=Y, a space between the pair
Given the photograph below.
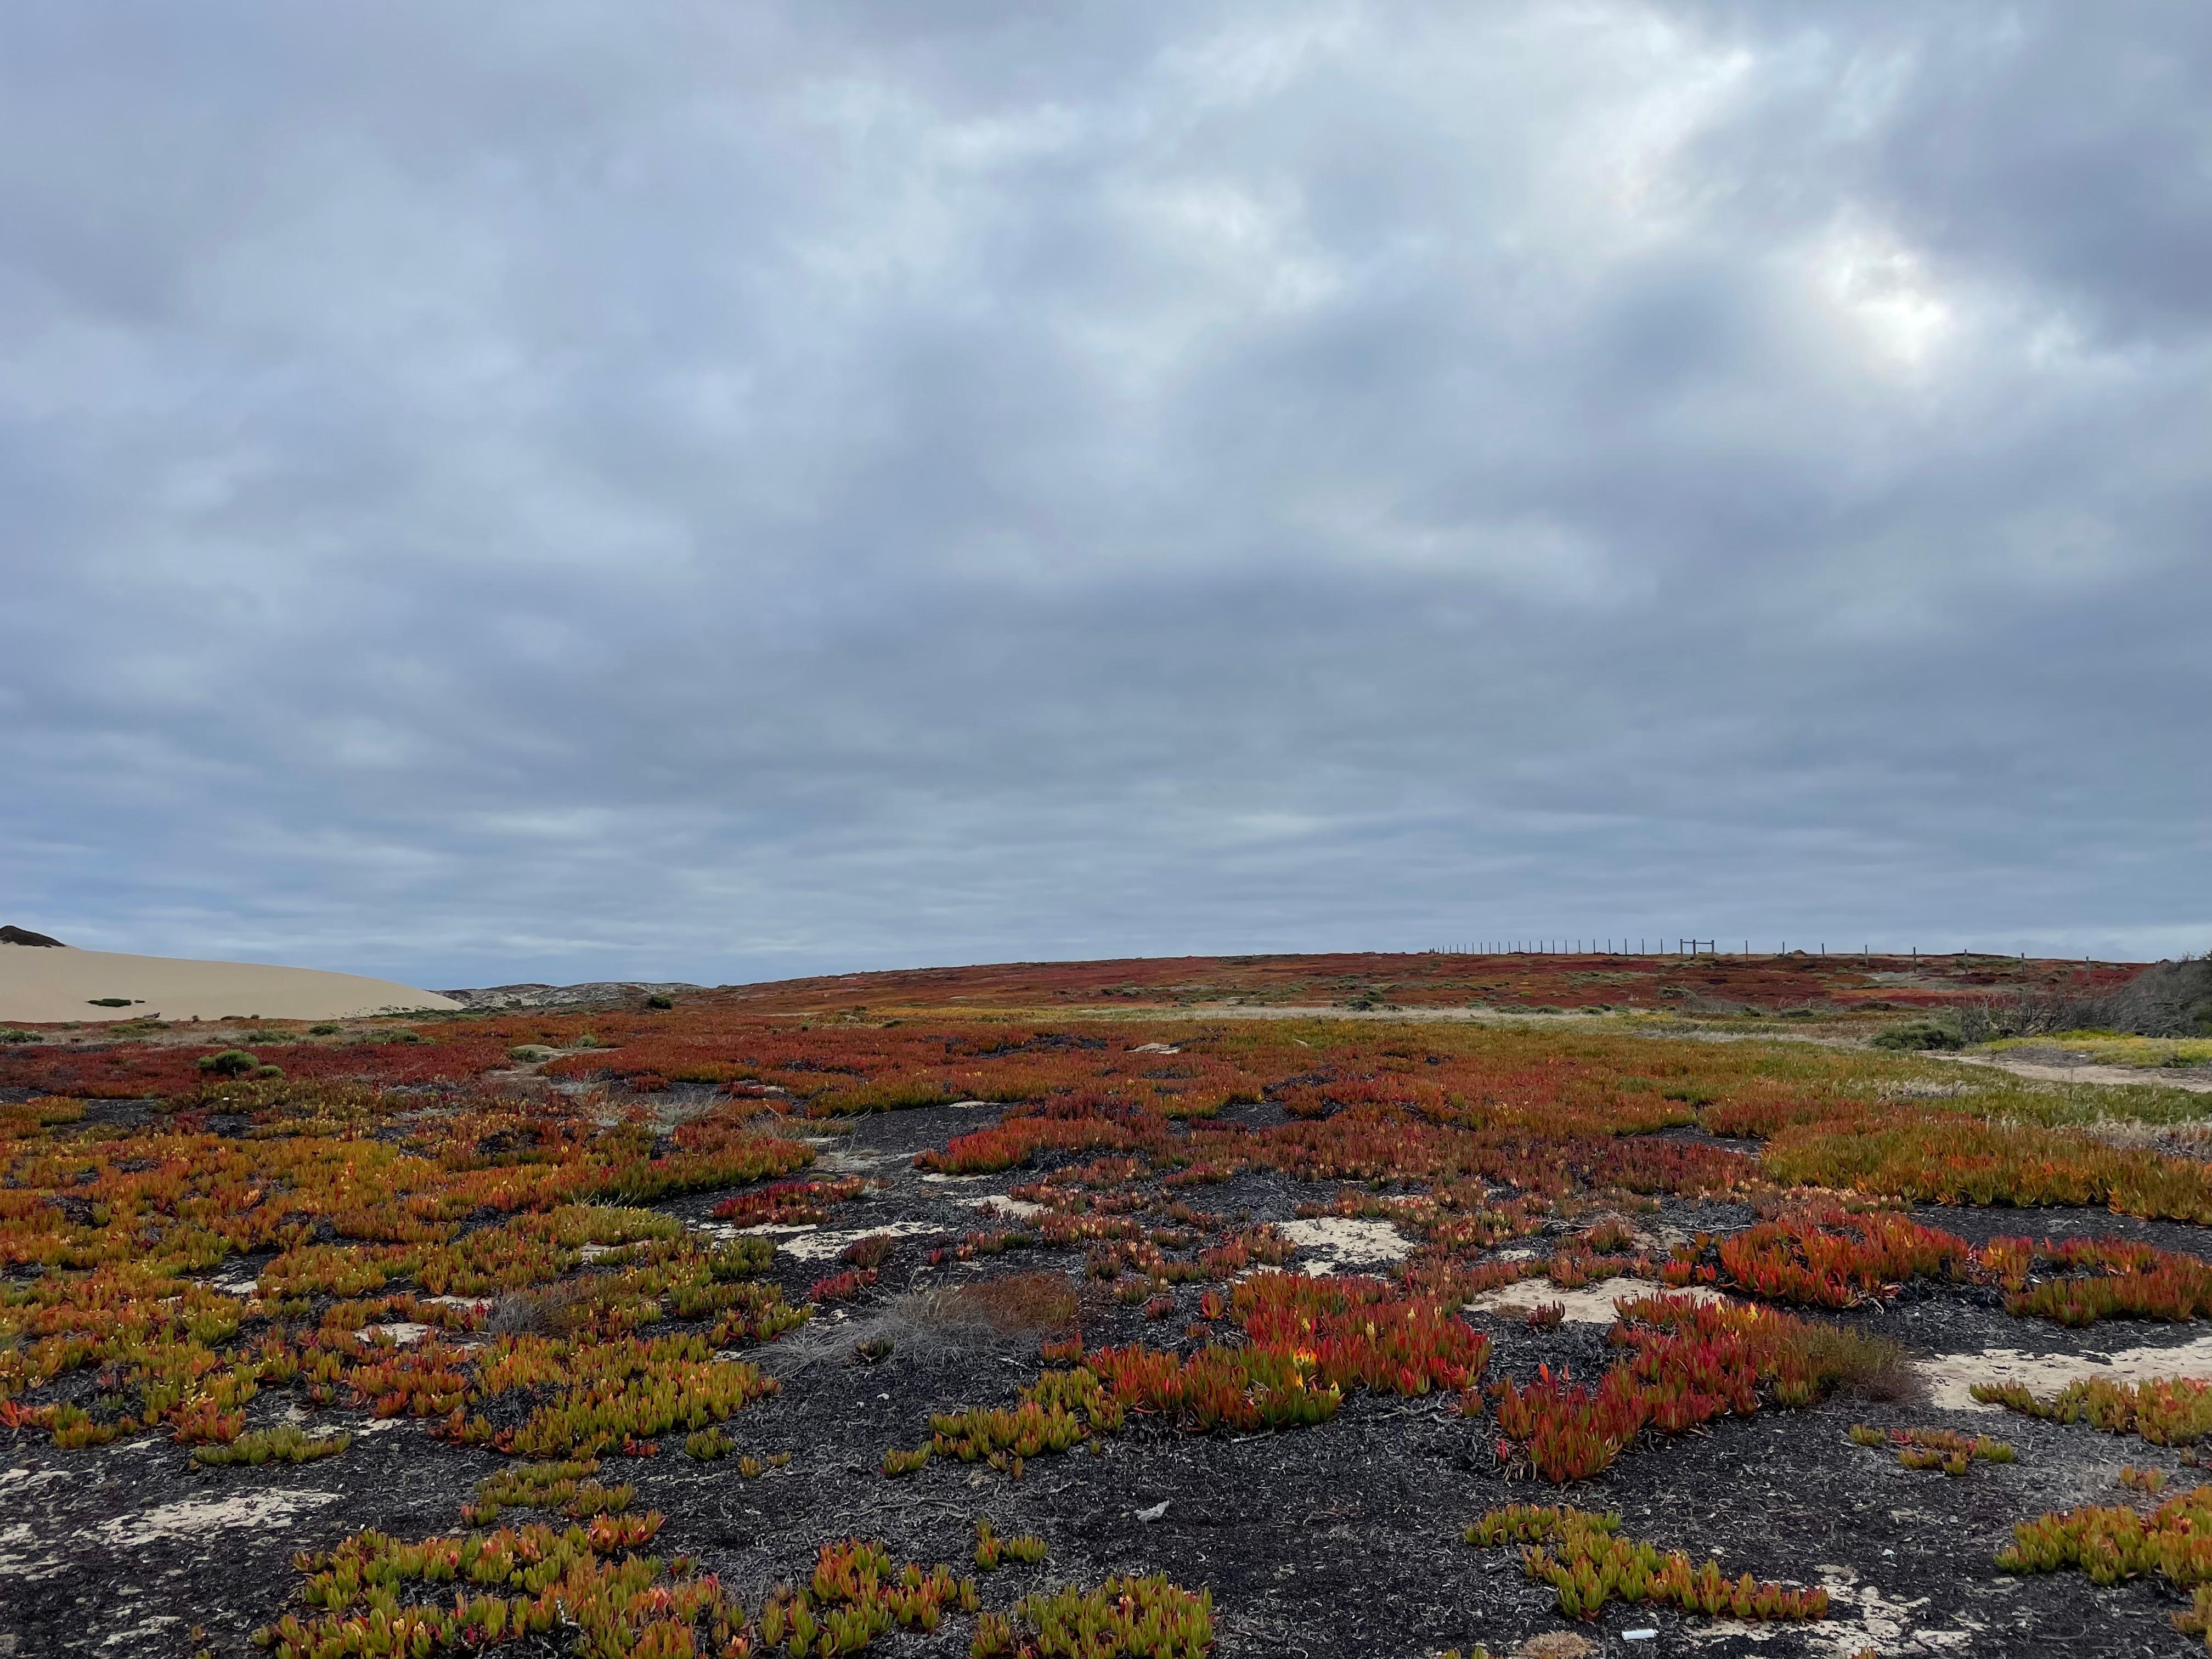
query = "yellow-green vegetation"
x=1138 y=1618
x=566 y=1486
x=373 y=1597
x=287 y=1444
x=2169 y=1410
x=2112 y=1543
x=1584 y=1558
x=2116 y=1049
x=1935 y=1448
x=992 y=1550
x=501 y=1586
x=605 y=1395
x=708 y=1445
x=855 y=1597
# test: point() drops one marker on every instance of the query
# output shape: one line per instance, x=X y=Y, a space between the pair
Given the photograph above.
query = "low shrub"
x=1919 y=1035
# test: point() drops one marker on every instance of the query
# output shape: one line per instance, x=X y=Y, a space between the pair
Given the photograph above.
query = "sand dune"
x=45 y=983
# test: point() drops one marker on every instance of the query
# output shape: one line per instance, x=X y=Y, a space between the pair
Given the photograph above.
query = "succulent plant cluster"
x=1587 y=1563
x=1935 y=1448
x=425 y=1241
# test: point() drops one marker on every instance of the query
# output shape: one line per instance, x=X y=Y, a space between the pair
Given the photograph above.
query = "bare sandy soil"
x=40 y=983
x=2132 y=1076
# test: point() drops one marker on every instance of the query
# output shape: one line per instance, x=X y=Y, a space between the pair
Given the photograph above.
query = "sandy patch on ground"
x=2128 y=1076
x=1341 y=1241
x=131 y=1639
x=23 y=1554
x=1590 y=1305
x=404 y=1333
x=195 y=1518
x=840 y=1160
x=1861 y=1620
x=815 y=1245
x=42 y=983
x=1016 y=1209
x=1951 y=1377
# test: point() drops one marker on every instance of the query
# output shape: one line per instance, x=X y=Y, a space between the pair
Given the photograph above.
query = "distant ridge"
x=13 y=935
x=566 y=996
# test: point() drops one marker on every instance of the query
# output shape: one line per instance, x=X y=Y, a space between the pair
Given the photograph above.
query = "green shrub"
x=1919 y=1034
x=231 y=1062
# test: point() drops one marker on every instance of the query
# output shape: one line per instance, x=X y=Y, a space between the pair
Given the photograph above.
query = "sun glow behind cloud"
x=642 y=491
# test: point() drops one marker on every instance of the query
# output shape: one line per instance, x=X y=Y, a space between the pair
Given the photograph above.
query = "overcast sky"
x=561 y=491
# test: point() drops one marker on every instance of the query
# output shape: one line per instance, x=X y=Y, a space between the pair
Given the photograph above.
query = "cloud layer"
x=565 y=489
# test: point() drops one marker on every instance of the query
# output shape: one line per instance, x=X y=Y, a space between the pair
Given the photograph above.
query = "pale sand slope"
x=39 y=983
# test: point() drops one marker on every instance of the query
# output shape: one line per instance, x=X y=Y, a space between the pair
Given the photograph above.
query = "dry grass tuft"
x=1852 y=1362
x=561 y=1309
x=923 y=1328
x=1016 y=1304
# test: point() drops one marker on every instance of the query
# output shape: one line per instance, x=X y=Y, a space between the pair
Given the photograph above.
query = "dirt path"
x=2124 y=1076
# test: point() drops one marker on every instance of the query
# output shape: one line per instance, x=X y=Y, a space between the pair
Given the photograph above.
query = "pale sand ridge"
x=44 y=983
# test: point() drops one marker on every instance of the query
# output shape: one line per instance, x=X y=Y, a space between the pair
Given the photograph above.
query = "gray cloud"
x=575 y=489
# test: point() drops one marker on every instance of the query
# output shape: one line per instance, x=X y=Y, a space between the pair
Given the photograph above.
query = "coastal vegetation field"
x=932 y=1314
